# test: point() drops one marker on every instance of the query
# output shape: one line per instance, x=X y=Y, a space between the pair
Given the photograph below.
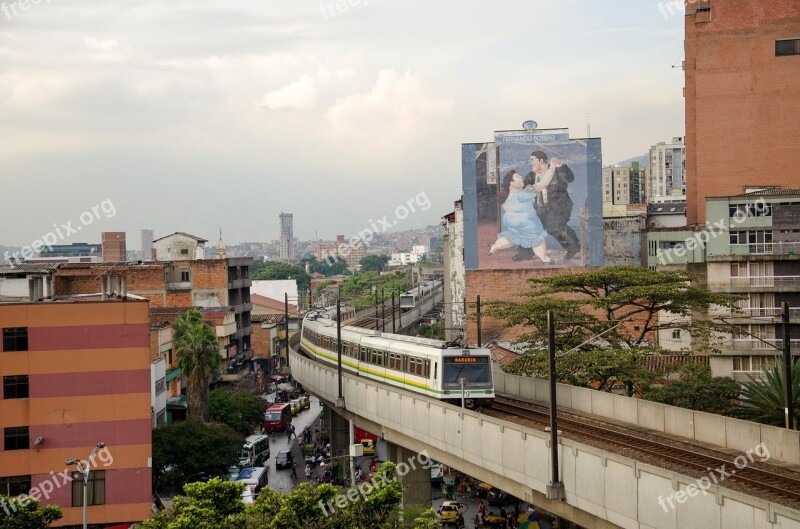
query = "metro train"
x=429 y=367
x=410 y=299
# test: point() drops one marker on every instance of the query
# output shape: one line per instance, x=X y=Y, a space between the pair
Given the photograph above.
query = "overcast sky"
x=199 y=115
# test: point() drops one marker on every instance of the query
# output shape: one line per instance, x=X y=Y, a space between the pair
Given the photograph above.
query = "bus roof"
x=279 y=406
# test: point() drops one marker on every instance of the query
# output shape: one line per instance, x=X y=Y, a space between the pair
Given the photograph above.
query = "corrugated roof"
x=264 y=301
x=195 y=237
x=156 y=311
x=772 y=192
x=28 y=268
x=266 y=318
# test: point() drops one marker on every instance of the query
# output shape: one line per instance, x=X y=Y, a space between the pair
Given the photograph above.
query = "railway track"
x=717 y=468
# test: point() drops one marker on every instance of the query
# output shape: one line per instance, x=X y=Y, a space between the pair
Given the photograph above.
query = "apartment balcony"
x=240 y=283
x=765 y=284
x=180 y=285
x=766 y=248
x=767 y=345
x=759 y=315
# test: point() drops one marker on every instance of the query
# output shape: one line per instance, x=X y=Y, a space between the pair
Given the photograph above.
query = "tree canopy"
x=358 y=288
x=273 y=270
x=242 y=411
x=697 y=389
x=605 y=322
x=27 y=513
x=218 y=504
x=185 y=449
x=374 y=263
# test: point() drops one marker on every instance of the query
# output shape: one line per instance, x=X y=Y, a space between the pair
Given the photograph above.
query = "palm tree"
x=197 y=352
x=764 y=400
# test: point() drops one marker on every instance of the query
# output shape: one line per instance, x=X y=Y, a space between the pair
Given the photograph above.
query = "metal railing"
x=765 y=281
x=790 y=248
x=753 y=312
x=765 y=344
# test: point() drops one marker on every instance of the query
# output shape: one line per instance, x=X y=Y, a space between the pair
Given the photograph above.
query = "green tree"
x=27 y=514
x=218 y=504
x=589 y=308
x=197 y=351
x=241 y=410
x=276 y=270
x=190 y=447
x=763 y=400
x=435 y=331
x=374 y=263
x=358 y=288
x=697 y=389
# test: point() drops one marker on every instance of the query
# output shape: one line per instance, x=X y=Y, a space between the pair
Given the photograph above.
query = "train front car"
x=474 y=366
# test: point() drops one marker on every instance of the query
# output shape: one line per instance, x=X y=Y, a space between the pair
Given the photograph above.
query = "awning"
x=178 y=402
x=173 y=373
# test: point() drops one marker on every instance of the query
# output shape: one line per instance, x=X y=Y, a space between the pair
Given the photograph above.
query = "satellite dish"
x=38 y=441
x=530 y=125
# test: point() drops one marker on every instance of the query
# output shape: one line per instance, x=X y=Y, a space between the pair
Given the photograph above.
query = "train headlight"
x=447 y=392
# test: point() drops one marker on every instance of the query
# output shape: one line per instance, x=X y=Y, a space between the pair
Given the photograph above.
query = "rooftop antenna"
x=588 y=126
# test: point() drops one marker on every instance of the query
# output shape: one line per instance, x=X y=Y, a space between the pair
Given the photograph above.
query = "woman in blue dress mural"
x=519 y=223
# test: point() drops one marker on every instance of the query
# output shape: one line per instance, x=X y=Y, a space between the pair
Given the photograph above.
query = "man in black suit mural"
x=553 y=204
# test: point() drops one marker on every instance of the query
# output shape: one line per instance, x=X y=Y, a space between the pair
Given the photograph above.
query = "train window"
x=363 y=356
x=435 y=370
x=427 y=368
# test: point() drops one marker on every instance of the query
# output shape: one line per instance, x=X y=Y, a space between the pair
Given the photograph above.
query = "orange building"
x=76 y=372
x=742 y=98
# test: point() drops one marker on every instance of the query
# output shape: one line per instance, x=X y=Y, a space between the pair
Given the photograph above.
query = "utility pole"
x=339 y=343
x=555 y=489
x=383 y=312
x=286 y=321
x=478 y=319
x=787 y=367
x=394 y=328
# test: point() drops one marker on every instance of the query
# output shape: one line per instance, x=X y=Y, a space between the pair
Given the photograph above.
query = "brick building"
x=205 y=283
x=76 y=372
x=742 y=98
x=114 y=248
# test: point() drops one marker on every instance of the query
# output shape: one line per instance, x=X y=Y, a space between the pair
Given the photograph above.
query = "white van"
x=254 y=452
x=254 y=479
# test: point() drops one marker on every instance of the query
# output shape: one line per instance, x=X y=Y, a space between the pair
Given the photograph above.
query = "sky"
x=202 y=115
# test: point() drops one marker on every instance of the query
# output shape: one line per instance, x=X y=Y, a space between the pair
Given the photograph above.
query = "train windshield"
x=474 y=370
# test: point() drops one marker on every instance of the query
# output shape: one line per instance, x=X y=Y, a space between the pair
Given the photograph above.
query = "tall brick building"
x=742 y=98
x=76 y=372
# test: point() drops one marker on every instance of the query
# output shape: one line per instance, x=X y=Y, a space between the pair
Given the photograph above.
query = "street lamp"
x=84 y=471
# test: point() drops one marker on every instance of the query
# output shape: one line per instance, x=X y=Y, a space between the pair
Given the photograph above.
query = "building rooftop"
x=28 y=268
x=266 y=318
x=74 y=298
x=795 y=191
x=170 y=311
x=264 y=301
x=667 y=208
x=195 y=237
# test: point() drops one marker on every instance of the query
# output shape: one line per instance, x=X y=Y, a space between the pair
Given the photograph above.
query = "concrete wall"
x=603 y=490
x=709 y=428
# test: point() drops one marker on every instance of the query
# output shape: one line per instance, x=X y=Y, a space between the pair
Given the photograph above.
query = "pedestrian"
x=291 y=431
x=294 y=470
x=308 y=472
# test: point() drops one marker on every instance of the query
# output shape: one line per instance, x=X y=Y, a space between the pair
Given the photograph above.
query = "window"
x=161 y=386
x=16 y=438
x=676 y=334
x=184 y=277
x=184 y=251
x=96 y=487
x=11 y=486
x=15 y=387
x=15 y=339
x=787 y=47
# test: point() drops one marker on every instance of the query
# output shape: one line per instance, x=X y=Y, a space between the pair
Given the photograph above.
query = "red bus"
x=360 y=435
x=278 y=417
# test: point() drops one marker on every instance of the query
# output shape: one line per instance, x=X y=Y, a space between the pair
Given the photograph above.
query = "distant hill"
x=644 y=160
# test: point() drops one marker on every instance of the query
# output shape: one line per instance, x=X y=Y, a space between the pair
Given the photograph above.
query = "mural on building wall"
x=532 y=199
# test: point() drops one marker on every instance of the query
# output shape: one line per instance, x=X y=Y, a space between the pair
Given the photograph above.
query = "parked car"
x=437 y=473
x=497 y=497
x=450 y=512
x=305 y=402
x=284 y=459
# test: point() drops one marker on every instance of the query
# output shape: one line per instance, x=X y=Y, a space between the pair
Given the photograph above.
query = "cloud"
x=302 y=93
x=396 y=110
x=106 y=49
